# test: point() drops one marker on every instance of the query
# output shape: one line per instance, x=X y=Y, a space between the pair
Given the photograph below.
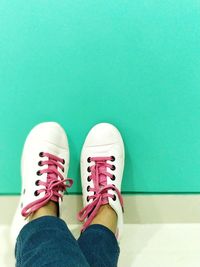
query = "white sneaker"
x=102 y=165
x=44 y=164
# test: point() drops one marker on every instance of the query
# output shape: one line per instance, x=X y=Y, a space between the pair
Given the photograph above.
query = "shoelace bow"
x=52 y=186
x=100 y=197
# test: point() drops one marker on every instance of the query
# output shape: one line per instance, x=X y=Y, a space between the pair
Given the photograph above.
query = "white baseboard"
x=140 y=209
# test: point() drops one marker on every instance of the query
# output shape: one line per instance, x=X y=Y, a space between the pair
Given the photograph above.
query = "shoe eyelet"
x=88 y=188
x=41 y=154
x=88 y=199
x=88 y=169
x=63 y=162
x=63 y=169
x=113 y=167
x=36 y=193
x=113 y=177
x=114 y=198
x=112 y=158
x=88 y=179
x=24 y=191
x=113 y=188
x=37 y=182
x=40 y=163
x=89 y=159
x=21 y=205
x=38 y=173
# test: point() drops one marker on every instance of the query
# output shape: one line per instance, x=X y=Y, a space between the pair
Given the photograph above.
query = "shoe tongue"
x=102 y=177
x=103 y=182
x=52 y=176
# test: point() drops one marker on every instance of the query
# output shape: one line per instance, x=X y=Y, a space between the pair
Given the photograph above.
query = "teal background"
x=135 y=64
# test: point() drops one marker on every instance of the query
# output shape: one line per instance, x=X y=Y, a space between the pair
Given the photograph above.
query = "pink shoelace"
x=100 y=197
x=52 y=186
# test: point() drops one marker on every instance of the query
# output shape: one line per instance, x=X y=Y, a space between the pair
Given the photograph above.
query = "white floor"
x=159 y=230
x=147 y=245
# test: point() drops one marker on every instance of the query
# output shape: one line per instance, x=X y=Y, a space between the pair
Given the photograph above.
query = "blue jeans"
x=47 y=242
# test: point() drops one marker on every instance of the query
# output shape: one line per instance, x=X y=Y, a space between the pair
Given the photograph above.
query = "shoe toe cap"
x=103 y=134
x=51 y=132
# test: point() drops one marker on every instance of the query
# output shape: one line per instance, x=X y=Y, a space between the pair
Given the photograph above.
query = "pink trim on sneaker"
x=100 y=197
x=52 y=186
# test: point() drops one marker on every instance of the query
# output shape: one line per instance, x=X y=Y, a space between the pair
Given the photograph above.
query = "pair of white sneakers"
x=45 y=163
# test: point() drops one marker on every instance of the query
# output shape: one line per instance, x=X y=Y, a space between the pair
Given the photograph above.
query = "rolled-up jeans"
x=47 y=241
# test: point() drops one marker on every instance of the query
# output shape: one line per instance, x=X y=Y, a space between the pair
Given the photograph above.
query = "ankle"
x=106 y=216
x=50 y=209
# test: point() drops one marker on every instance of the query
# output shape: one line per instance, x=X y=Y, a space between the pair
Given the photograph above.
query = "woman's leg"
x=98 y=241
x=102 y=163
x=47 y=241
x=44 y=239
x=99 y=246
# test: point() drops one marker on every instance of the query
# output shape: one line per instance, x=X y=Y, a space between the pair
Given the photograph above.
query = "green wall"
x=135 y=64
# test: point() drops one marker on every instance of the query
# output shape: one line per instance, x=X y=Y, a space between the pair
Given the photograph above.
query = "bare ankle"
x=107 y=217
x=50 y=209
